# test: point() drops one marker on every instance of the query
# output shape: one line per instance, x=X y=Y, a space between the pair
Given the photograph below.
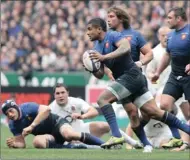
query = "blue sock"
x=140 y=133
x=53 y=144
x=90 y=139
x=175 y=132
x=174 y=122
x=110 y=117
x=143 y=123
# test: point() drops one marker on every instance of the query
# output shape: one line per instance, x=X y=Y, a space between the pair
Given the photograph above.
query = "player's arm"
x=164 y=63
x=43 y=113
x=123 y=48
x=16 y=142
x=148 y=54
x=91 y=113
x=161 y=66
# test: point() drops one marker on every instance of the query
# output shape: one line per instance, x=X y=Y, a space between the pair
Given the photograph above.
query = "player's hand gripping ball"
x=92 y=65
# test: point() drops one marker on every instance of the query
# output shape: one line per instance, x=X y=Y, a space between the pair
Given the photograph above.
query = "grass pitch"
x=31 y=153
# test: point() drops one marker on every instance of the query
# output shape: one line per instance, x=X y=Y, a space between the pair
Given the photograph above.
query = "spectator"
x=30 y=27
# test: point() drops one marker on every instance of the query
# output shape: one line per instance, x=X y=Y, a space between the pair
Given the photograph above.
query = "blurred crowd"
x=50 y=35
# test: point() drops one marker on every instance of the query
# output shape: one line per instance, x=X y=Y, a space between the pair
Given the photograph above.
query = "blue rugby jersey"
x=178 y=46
x=136 y=40
x=29 y=112
x=118 y=65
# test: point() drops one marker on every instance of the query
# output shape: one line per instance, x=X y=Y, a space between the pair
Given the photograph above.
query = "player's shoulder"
x=134 y=31
x=26 y=104
x=75 y=100
x=53 y=104
x=112 y=33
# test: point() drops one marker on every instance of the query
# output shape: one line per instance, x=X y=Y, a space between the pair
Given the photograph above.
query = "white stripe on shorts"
x=141 y=100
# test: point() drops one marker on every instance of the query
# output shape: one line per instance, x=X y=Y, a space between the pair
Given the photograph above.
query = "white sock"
x=128 y=139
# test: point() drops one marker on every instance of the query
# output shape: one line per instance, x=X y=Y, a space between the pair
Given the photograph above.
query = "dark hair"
x=178 y=11
x=99 y=22
x=59 y=85
x=121 y=14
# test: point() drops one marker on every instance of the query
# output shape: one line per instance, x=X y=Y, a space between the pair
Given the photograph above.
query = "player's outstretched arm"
x=161 y=67
x=164 y=63
x=43 y=113
x=16 y=142
x=123 y=48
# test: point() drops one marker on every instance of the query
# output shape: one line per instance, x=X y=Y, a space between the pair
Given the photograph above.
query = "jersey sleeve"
x=31 y=108
x=141 y=40
x=15 y=130
x=83 y=105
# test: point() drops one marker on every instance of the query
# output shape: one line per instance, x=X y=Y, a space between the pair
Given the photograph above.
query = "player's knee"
x=165 y=106
x=39 y=142
x=101 y=101
x=153 y=112
x=104 y=128
x=68 y=135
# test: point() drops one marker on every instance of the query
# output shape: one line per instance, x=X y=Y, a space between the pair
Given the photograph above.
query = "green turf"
x=66 y=154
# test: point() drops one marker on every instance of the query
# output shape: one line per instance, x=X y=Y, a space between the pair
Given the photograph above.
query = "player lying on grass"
x=50 y=129
x=72 y=108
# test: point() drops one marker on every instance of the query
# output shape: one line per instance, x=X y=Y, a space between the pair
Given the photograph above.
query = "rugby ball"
x=89 y=64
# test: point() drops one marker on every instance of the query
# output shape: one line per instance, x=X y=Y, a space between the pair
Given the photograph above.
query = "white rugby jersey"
x=74 y=105
x=155 y=128
x=158 y=52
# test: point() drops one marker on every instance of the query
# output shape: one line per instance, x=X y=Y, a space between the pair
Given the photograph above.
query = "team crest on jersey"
x=73 y=108
x=183 y=36
x=129 y=38
x=107 y=44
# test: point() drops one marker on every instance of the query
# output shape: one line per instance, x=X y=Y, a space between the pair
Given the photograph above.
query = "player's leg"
x=69 y=134
x=136 y=126
x=172 y=92
x=156 y=113
x=48 y=141
x=41 y=141
x=185 y=108
x=104 y=101
x=98 y=128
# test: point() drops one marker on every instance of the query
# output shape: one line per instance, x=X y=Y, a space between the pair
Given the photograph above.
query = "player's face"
x=12 y=114
x=61 y=95
x=172 y=20
x=163 y=37
x=93 y=32
x=113 y=21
